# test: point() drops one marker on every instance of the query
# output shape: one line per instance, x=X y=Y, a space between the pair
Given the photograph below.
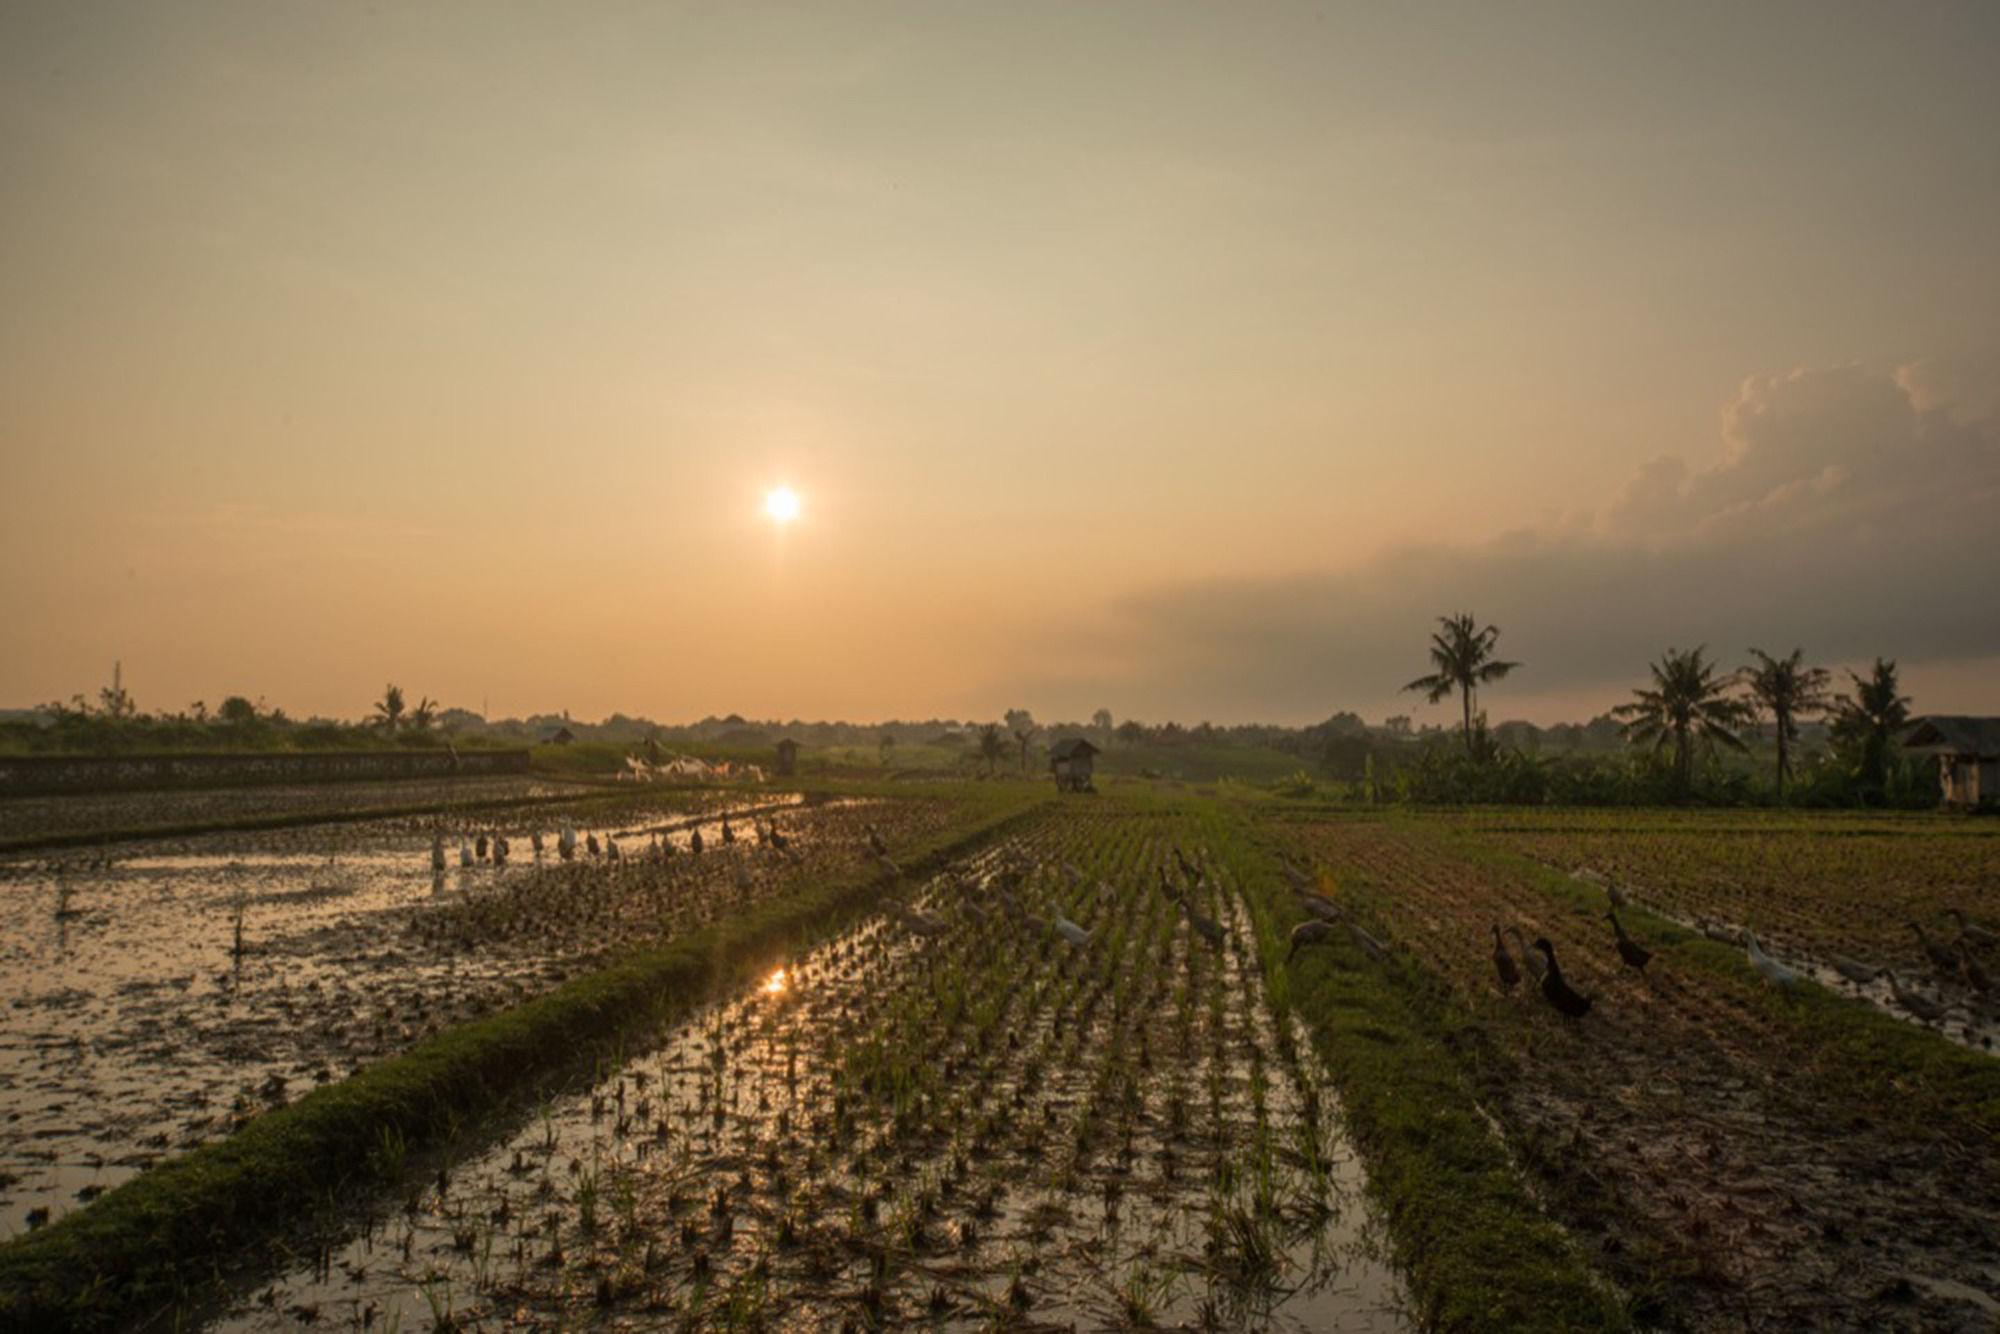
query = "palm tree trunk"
x=1784 y=760
x=1465 y=696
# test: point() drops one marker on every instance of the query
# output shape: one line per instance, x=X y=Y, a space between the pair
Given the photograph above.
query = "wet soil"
x=950 y=1116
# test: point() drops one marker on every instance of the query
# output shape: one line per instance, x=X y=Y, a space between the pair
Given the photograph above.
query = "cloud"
x=1851 y=512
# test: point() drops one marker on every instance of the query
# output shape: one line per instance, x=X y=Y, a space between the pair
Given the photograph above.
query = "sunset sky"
x=1186 y=360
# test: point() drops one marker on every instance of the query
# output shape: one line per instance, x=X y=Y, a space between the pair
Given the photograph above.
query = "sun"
x=782 y=505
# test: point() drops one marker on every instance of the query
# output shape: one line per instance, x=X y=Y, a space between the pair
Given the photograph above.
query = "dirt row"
x=1722 y=1165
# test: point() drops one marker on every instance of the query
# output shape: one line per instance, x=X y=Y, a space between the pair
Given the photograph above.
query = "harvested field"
x=1735 y=1158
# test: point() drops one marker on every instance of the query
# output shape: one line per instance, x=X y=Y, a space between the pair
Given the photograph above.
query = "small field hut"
x=1968 y=755
x=1070 y=760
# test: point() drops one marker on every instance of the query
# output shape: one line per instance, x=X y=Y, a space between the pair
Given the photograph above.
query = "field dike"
x=1474 y=1243
x=157 y=1243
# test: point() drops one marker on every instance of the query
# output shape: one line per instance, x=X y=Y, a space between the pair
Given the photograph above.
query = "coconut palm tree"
x=389 y=709
x=992 y=745
x=1463 y=656
x=424 y=716
x=1871 y=718
x=1687 y=704
x=1022 y=724
x=1786 y=689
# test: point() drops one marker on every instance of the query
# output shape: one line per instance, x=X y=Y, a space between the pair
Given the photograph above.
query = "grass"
x=151 y=1245
x=1476 y=1249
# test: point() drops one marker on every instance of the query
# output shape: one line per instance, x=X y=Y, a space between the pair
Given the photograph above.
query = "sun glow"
x=782 y=505
x=775 y=984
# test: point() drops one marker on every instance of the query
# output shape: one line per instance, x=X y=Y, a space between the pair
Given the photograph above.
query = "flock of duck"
x=1957 y=960
x=475 y=851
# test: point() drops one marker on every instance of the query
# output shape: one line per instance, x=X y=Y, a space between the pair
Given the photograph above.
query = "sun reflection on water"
x=775 y=984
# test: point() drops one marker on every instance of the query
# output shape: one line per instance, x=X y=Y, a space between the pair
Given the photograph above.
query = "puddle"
x=157 y=1000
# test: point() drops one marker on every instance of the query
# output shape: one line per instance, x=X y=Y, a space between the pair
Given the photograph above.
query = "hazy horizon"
x=1183 y=361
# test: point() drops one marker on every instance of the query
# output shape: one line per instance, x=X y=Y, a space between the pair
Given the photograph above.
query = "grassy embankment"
x=1474 y=1244
x=150 y=1246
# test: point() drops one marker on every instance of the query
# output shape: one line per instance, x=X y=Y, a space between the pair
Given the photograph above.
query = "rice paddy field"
x=974 y=1057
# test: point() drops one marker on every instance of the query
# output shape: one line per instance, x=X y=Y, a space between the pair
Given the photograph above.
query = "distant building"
x=562 y=737
x=1070 y=760
x=788 y=758
x=1968 y=753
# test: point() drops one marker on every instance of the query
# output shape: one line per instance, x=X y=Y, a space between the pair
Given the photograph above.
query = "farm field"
x=159 y=995
x=1021 y=1087
x=947 y=1117
x=1732 y=1158
x=1864 y=888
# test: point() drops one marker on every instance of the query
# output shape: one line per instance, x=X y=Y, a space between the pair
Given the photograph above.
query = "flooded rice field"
x=1030 y=1093
x=24 y=820
x=158 y=995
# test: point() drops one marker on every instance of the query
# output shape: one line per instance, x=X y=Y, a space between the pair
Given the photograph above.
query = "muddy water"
x=139 y=1022
x=1057 y=1158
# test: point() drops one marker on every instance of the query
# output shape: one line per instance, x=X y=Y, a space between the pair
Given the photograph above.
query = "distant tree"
x=1131 y=731
x=1688 y=703
x=1022 y=724
x=1463 y=656
x=1788 y=690
x=885 y=746
x=389 y=709
x=198 y=711
x=1870 y=720
x=1101 y=720
x=992 y=745
x=424 y=716
x=1397 y=724
x=114 y=701
x=237 y=709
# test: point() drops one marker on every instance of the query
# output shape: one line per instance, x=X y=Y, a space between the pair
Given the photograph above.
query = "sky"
x=1183 y=360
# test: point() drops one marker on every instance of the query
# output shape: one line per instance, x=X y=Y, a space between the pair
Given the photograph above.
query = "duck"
x=1918 y=1004
x=1635 y=955
x=728 y=834
x=1071 y=932
x=1972 y=931
x=535 y=842
x=500 y=850
x=611 y=848
x=437 y=852
x=1210 y=929
x=1774 y=972
x=1555 y=988
x=1942 y=958
x=1503 y=963
x=566 y=842
x=1369 y=946
x=1529 y=959
x=1568 y=1001
x=1975 y=976
x=875 y=843
x=464 y=853
x=1860 y=974
x=777 y=838
x=1308 y=933
x=479 y=848
x=1322 y=907
x=694 y=842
